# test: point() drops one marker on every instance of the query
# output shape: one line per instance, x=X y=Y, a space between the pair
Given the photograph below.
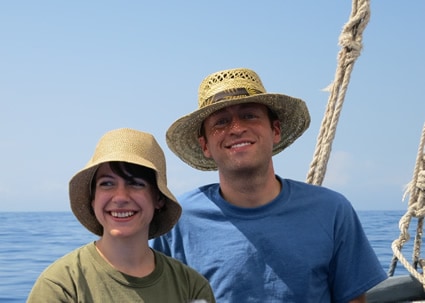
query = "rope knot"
x=350 y=45
x=420 y=183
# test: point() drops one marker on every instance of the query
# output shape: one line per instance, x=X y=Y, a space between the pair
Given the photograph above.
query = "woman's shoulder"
x=184 y=278
x=172 y=264
x=69 y=260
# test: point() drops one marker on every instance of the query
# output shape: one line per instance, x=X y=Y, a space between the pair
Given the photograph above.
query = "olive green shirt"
x=84 y=276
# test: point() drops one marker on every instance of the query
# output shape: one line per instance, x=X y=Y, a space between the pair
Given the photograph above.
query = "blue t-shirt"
x=307 y=245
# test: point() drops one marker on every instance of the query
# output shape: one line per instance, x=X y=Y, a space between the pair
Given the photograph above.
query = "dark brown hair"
x=128 y=171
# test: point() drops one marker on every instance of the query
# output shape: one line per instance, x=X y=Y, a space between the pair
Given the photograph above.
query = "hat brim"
x=182 y=135
x=79 y=193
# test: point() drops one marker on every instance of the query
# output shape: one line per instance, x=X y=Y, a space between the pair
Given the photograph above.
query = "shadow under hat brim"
x=80 y=200
x=182 y=135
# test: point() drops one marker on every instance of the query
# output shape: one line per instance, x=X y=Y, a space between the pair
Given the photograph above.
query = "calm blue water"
x=31 y=241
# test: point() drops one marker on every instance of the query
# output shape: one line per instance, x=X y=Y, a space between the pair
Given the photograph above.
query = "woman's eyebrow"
x=104 y=176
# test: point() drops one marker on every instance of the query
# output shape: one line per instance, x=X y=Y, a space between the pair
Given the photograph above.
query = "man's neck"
x=250 y=190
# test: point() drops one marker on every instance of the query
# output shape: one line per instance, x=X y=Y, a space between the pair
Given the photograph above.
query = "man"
x=256 y=236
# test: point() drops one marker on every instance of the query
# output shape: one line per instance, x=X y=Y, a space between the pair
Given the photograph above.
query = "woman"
x=122 y=196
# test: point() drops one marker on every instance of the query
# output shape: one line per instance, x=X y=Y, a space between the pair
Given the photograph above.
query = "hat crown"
x=229 y=84
x=129 y=145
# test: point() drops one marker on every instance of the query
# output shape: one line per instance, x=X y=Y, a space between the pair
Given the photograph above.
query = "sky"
x=72 y=70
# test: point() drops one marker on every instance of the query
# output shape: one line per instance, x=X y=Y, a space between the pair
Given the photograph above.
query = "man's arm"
x=359 y=299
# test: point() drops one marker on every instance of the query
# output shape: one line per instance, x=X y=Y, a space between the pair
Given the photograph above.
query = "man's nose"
x=237 y=125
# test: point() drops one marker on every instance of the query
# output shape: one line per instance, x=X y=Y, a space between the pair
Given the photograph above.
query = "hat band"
x=232 y=93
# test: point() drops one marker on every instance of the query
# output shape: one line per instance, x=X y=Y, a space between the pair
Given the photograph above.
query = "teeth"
x=241 y=144
x=125 y=214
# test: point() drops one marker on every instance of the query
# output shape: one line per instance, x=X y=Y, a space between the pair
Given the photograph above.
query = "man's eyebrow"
x=219 y=111
x=250 y=105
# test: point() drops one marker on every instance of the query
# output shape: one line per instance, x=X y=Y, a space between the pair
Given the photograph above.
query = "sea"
x=30 y=241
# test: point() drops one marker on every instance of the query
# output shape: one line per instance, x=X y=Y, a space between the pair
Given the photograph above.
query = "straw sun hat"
x=130 y=146
x=230 y=87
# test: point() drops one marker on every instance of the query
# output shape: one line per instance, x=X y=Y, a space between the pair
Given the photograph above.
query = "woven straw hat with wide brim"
x=231 y=87
x=132 y=146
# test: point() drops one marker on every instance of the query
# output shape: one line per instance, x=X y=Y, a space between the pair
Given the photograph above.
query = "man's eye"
x=249 y=116
x=222 y=121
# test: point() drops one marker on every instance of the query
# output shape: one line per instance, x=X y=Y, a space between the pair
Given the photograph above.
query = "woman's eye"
x=138 y=183
x=104 y=183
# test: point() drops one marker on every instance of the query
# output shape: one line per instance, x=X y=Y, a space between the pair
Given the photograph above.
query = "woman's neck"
x=133 y=258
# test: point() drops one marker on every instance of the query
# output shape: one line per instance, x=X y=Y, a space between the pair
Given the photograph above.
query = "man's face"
x=240 y=136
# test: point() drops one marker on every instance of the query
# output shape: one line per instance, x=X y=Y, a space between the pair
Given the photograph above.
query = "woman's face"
x=123 y=207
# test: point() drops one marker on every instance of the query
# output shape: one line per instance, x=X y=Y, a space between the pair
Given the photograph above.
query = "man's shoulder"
x=308 y=186
x=197 y=194
x=316 y=194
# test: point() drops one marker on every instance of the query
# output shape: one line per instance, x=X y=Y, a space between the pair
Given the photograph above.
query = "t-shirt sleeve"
x=205 y=294
x=354 y=267
x=47 y=290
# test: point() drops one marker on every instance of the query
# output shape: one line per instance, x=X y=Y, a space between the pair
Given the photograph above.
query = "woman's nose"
x=121 y=193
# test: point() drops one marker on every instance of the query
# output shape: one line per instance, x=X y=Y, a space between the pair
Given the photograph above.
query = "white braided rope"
x=350 y=41
x=416 y=208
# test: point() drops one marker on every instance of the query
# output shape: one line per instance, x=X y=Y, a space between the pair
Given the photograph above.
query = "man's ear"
x=277 y=131
x=203 y=143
